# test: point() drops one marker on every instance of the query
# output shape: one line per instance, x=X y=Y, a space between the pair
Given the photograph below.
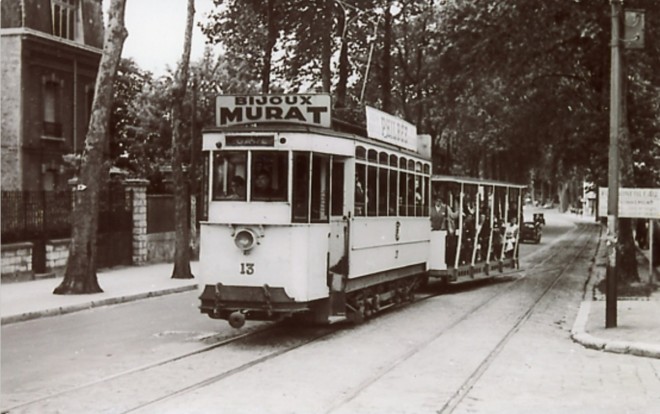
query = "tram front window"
x=269 y=175
x=229 y=172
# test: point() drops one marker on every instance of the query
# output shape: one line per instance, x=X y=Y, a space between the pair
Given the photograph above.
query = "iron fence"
x=28 y=215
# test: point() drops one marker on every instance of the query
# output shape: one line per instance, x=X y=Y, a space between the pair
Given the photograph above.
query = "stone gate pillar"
x=136 y=194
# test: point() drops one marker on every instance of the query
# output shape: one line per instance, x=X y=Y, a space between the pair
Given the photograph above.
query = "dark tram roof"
x=476 y=181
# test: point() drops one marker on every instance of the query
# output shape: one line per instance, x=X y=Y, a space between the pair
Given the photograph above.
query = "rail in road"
x=147 y=387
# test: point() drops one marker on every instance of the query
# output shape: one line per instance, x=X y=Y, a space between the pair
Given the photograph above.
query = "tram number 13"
x=247 y=268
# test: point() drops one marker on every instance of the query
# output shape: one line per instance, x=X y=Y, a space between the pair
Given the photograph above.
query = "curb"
x=93 y=304
x=582 y=337
x=579 y=332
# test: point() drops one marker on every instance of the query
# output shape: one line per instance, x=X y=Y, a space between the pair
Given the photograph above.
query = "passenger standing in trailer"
x=511 y=236
x=474 y=244
x=439 y=215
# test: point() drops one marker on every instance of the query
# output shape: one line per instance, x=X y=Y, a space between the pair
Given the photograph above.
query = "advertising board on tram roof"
x=307 y=109
x=391 y=129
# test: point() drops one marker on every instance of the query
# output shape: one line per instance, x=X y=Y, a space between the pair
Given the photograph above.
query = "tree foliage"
x=512 y=90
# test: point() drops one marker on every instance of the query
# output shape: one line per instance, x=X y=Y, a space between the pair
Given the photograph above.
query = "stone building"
x=50 y=54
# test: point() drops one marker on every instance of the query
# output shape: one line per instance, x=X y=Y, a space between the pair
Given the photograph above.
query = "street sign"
x=633 y=202
x=633 y=29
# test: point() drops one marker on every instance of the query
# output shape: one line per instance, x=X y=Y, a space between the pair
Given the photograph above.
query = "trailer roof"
x=476 y=181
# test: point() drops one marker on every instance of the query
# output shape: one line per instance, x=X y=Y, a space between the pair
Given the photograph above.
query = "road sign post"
x=613 y=171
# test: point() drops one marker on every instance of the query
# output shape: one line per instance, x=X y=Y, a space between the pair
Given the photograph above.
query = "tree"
x=80 y=274
x=181 y=194
x=252 y=29
x=130 y=81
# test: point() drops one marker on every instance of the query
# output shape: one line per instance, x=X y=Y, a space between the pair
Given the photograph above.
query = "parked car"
x=531 y=231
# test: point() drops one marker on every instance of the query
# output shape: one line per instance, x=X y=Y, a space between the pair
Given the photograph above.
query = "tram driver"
x=262 y=188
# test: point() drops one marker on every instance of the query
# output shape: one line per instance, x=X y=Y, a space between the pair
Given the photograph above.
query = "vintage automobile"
x=531 y=231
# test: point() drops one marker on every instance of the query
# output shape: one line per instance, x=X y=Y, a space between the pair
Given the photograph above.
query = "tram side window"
x=337 y=188
x=382 y=191
x=229 y=171
x=372 y=187
x=320 y=187
x=403 y=179
x=419 y=196
x=269 y=175
x=393 y=192
x=412 y=193
x=301 y=187
x=360 y=190
x=427 y=197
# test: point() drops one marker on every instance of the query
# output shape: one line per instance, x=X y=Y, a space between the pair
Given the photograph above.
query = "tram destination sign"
x=633 y=202
x=388 y=128
x=310 y=109
x=250 y=140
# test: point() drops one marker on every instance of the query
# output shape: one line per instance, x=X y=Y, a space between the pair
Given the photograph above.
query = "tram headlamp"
x=245 y=239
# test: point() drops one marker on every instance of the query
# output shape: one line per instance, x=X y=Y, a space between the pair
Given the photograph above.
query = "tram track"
x=103 y=401
x=310 y=335
x=469 y=383
x=139 y=369
x=462 y=391
x=28 y=405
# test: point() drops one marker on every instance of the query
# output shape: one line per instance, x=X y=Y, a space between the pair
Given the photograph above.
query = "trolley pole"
x=613 y=170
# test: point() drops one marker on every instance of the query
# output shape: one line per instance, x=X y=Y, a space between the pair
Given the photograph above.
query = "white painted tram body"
x=304 y=220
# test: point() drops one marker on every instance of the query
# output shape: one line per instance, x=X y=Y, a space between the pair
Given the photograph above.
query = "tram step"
x=336 y=319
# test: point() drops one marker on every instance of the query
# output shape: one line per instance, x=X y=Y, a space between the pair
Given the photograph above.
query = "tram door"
x=338 y=238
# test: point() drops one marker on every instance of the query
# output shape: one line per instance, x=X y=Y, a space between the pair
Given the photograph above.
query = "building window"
x=52 y=100
x=64 y=18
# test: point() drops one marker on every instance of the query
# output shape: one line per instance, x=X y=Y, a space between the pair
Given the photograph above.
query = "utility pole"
x=633 y=38
x=613 y=170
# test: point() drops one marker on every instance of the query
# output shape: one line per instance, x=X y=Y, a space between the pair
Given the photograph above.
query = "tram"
x=314 y=219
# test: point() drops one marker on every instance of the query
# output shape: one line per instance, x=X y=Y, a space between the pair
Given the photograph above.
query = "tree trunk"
x=342 y=83
x=562 y=195
x=181 y=197
x=268 y=49
x=386 y=68
x=326 y=46
x=80 y=274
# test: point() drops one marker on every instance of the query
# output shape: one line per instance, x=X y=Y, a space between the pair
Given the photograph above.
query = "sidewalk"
x=21 y=301
x=637 y=331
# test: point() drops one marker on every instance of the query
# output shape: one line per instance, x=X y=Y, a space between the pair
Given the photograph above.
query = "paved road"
x=48 y=355
x=501 y=347
x=429 y=357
